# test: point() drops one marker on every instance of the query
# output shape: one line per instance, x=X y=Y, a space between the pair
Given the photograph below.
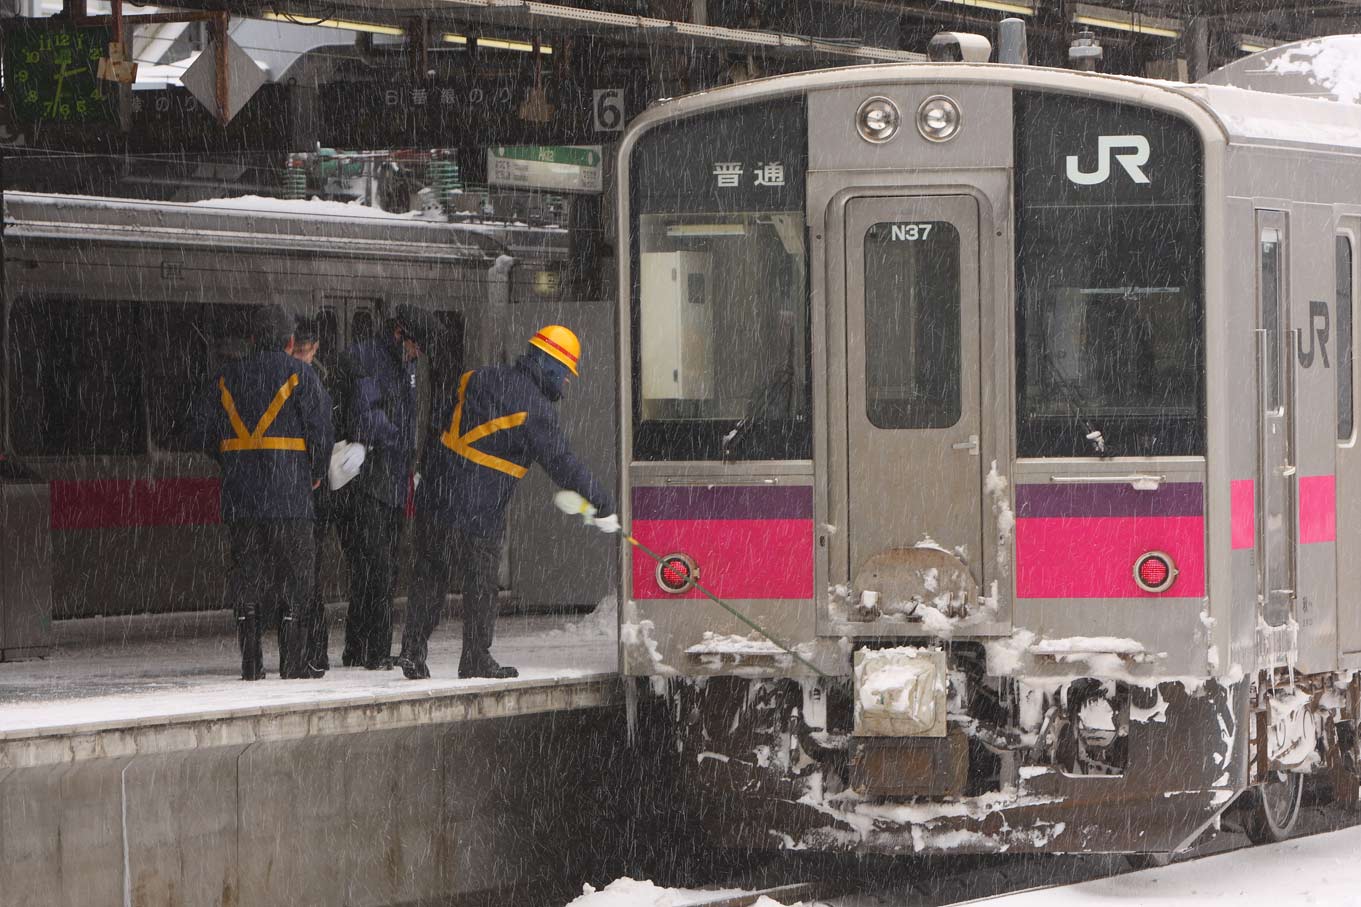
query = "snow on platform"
x=98 y=692
x=1321 y=871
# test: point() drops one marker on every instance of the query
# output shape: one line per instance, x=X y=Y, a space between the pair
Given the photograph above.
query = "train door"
x=913 y=404
x=1276 y=511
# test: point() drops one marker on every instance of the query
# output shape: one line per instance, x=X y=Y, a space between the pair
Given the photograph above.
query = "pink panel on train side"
x=1242 y=514
x=736 y=558
x=1318 y=509
x=1093 y=557
x=110 y=503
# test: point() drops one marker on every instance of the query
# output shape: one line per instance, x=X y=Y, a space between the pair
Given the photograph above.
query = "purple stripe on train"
x=1109 y=499
x=723 y=502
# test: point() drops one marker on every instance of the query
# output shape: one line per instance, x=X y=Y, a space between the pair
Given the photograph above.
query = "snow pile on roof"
x=312 y=207
x=1333 y=64
x=627 y=892
x=1321 y=871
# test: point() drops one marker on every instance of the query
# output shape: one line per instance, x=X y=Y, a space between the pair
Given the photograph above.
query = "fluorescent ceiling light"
x=1252 y=44
x=502 y=44
x=707 y=230
x=1020 y=7
x=1100 y=17
x=344 y=24
x=497 y=43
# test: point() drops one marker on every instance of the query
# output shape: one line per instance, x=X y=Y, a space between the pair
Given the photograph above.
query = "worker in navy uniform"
x=267 y=421
x=500 y=422
x=382 y=415
x=306 y=347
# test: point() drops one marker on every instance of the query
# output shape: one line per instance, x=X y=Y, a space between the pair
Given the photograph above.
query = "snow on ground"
x=1321 y=871
x=122 y=670
x=628 y=892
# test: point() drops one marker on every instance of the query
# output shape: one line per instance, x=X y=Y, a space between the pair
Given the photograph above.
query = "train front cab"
x=930 y=408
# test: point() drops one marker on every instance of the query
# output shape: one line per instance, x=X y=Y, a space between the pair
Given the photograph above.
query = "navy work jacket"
x=479 y=450
x=382 y=416
x=267 y=421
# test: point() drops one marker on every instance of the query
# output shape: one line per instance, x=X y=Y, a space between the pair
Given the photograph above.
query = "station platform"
x=136 y=767
x=159 y=684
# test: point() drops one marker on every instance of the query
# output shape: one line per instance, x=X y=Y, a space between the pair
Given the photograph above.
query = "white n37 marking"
x=1132 y=160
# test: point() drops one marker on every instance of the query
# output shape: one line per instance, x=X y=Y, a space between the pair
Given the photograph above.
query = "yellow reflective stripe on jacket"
x=256 y=440
x=461 y=444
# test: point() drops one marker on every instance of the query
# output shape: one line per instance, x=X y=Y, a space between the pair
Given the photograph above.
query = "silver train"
x=117 y=311
x=1020 y=405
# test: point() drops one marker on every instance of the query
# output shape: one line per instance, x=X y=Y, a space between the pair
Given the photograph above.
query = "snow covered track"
x=800 y=891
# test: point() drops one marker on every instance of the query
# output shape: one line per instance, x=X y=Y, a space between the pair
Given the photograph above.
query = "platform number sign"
x=51 y=74
x=607 y=109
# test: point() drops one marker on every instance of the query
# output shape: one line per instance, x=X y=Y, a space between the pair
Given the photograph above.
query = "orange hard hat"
x=560 y=343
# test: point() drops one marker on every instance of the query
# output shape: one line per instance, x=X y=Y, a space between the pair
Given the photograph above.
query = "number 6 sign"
x=607 y=109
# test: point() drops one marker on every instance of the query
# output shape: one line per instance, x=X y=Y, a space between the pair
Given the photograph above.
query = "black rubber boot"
x=485 y=666
x=413 y=668
x=293 y=652
x=318 y=641
x=252 y=660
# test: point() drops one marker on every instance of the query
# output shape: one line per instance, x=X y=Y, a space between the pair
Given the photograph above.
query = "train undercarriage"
x=1072 y=765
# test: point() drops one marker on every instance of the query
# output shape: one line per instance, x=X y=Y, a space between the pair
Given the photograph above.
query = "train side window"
x=361 y=326
x=1270 y=279
x=912 y=317
x=76 y=378
x=187 y=344
x=328 y=333
x=1346 y=353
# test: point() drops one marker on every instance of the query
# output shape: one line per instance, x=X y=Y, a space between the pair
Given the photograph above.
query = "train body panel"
x=116 y=310
x=1079 y=429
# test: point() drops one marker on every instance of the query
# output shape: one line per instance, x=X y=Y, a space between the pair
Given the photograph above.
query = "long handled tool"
x=573 y=503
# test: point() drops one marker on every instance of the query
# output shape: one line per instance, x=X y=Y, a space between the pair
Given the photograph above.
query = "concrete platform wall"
x=461 y=812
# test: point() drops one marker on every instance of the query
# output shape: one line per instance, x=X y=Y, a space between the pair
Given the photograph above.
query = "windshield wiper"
x=1065 y=387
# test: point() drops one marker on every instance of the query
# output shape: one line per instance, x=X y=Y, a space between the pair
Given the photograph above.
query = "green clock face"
x=51 y=74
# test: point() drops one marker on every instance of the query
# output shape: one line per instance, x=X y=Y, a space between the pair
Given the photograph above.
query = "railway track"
x=967 y=879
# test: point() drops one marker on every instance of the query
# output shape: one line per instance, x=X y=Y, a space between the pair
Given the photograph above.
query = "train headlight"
x=677 y=573
x=1154 y=572
x=877 y=120
x=938 y=119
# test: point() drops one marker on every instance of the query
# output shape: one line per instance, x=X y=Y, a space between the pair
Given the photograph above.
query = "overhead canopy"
x=554 y=21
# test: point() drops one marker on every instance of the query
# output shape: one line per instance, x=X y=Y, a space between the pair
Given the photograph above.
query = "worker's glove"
x=607 y=524
x=571 y=503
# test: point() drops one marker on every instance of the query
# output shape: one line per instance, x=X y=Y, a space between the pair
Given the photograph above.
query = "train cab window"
x=186 y=345
x=75 y=378
x=912 y=317
x=1346 y=353
x=1110 y=317
x=720 y=320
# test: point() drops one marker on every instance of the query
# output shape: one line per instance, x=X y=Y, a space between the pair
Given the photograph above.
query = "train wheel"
x=1273 y=808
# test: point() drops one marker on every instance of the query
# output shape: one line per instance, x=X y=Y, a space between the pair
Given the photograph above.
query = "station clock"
x=51 y=74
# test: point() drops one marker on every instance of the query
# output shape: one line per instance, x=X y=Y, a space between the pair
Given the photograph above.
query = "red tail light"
x=677 y=573
x=1154 y=572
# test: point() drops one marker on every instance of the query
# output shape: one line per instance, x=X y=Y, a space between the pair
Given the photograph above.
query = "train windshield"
x=1110 y=318
x=720 y=294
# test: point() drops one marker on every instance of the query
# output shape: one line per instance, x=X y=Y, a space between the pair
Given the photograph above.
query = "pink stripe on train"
x=1242 y=514
x=739 y=559
x=1093 y=557
x=1318 y=509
